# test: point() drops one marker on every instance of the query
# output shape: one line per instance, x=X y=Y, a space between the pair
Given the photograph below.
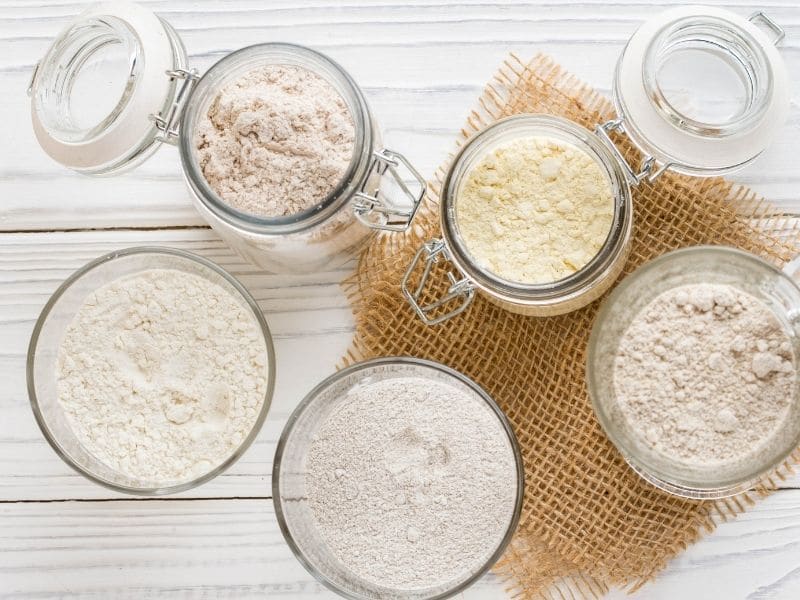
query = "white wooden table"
x=422 y=64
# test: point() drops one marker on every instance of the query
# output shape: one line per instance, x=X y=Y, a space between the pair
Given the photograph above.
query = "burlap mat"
x=588 y=521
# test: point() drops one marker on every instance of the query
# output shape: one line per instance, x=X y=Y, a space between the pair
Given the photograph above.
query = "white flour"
x=705 y=374
x=535 y=210
x=276 y=141
x=162 y=374
x=412 y=482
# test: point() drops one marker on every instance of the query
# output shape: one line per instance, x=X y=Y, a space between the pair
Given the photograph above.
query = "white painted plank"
x=422 y=66
x=755 y=557
x=233 y=549
x=147 y=549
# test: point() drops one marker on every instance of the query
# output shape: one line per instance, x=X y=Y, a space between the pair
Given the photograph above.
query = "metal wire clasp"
x=761 y=16
x=168 y=124
x=649 y=168
x=460 y=287
x=375 y=209
x=32 y=80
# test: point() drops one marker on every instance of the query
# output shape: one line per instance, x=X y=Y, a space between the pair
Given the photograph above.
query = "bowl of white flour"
x=692 y=370
x=397 y=478
x=150 y=370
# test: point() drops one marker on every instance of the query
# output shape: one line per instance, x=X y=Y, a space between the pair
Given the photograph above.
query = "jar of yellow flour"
x=536 y=211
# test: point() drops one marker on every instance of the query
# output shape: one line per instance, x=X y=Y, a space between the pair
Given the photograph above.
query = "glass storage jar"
x=292 y=506
x=699 y=264
x=115 y=85
x=49 y=331
x=698 y=90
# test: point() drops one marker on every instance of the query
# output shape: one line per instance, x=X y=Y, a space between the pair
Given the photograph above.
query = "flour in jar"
x=276 y=141
x=162 y=374
x=705 y=374
x=535 y=210
x=412 y=482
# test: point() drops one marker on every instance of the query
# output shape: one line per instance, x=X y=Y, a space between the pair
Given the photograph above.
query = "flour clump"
x=535 y=210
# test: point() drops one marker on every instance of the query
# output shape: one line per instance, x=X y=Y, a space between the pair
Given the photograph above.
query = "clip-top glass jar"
x=115 y=85
x=698 y=90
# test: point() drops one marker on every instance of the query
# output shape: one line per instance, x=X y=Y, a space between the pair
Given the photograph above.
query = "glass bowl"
x=292 y=507
x=698 y=264
x=49 y=331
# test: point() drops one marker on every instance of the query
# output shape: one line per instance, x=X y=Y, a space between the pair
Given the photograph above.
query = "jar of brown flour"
x=278 y=146
x=692 y=370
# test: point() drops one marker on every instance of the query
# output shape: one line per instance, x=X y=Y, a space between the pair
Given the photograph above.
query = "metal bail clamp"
x=648 y=169
x=761 y=17
x=168 y=124
x=462 y=288
x=375 y=210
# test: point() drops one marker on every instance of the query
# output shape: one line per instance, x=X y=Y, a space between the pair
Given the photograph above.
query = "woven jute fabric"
x=588 y=521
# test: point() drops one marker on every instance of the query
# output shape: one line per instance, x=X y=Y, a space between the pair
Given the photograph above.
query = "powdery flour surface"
x=535 y=210
x=276 y=141
x=162 y=375
x=705 y=374
x=412 y=482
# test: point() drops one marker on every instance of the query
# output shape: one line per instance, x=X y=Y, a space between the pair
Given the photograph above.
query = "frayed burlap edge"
x=538 y=565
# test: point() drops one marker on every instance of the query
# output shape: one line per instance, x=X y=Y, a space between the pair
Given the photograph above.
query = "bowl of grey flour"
x=397 y=478
x=692 y=370
x=150 y=370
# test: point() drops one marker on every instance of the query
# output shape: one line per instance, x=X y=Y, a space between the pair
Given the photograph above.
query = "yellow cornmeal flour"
x=535 y=210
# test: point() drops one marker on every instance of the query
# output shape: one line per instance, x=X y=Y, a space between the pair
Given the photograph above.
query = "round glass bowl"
x=49 y=331
x=557 y=297
x=699 y=264
x=292 y=506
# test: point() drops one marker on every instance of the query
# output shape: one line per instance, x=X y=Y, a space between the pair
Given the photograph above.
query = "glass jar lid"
x=701 y=90
x=102 y=95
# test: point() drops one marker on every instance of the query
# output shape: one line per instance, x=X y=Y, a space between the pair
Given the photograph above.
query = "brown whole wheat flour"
x=704 y=376
x=276 y=141
x=588 y=521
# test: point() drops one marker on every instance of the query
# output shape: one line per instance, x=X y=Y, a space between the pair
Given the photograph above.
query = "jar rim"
x=661 y=132
x=577 y=283
x=739 y=42
x=128 y=134
x=240 y=62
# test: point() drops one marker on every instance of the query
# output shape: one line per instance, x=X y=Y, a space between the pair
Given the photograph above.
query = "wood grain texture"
x=233 y=549
x=421 y=64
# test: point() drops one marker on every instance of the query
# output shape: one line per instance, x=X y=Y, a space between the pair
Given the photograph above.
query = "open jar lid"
x=102 y=92
x=702 y=90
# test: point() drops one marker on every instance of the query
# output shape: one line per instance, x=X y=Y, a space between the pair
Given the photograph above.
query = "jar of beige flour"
x=278 y=146
x=536 y=211
x=692 y=369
